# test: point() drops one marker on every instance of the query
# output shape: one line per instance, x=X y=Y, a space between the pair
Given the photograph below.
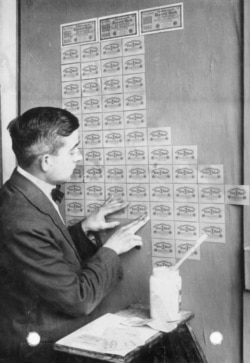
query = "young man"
x=51 y=277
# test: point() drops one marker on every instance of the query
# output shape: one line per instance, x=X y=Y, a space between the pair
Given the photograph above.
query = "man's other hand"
x=124 y=239
x=97 y=222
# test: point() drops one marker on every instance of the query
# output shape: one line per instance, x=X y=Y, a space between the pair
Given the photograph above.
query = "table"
x=177 y=346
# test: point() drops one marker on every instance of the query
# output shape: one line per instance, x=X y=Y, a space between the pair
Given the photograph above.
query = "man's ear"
x=46 y=162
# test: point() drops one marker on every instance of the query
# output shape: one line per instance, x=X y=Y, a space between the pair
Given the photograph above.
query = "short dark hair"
x=40 y=130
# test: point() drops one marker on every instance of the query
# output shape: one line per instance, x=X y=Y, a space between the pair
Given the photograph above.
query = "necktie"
x=56 y=194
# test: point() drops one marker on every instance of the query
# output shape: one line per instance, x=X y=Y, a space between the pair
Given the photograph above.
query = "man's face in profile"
x=64 y=162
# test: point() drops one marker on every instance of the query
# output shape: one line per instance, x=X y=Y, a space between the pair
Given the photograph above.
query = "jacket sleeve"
x=85 y=246
x=41 y=265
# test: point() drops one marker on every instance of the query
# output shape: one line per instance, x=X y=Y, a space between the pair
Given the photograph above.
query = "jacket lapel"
x=40 y=201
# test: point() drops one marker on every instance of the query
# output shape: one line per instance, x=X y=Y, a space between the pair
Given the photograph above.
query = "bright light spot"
x=216 y=338
x=33 y=339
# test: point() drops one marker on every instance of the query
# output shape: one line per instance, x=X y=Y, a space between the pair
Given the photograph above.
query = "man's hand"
x=96 y=221
x=124 y=239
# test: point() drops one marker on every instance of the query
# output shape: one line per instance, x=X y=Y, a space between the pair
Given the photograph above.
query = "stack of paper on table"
x=106 y=336
x=118 y=337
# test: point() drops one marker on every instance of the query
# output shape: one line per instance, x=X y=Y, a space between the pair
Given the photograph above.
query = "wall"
x=8 y=80
x=193 y=84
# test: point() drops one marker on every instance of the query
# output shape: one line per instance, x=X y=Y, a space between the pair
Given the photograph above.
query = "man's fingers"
x=137 y=241
x=141 y=222
x=111 y=200
x=134 y=226
x=114 y=207
x=130 y=225
x=107 y=202
x=112 y=224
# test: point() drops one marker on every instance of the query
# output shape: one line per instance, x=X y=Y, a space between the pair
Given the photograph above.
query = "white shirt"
x=46 y=188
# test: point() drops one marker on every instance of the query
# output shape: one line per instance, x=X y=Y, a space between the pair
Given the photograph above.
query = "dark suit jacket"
x=51 y=277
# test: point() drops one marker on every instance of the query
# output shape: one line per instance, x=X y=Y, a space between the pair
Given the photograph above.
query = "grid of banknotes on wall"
x=104 y=84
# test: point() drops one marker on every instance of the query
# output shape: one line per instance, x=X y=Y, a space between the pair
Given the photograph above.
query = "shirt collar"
x=45 y=187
